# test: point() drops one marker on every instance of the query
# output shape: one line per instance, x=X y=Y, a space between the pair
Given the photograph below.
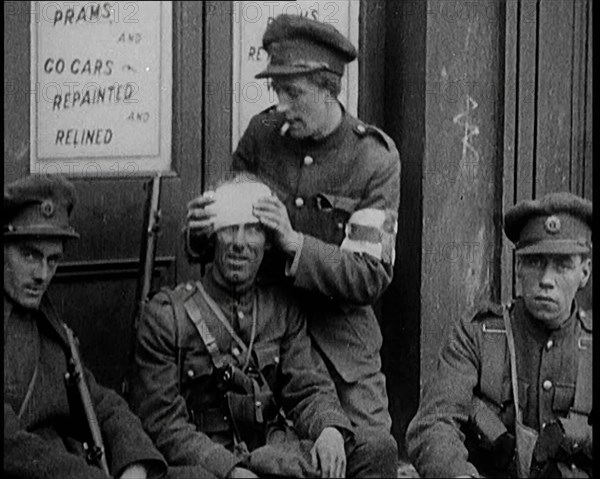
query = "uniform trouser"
x=370 y=453
x=188 y=472
x=373 y=453
x=364 y=401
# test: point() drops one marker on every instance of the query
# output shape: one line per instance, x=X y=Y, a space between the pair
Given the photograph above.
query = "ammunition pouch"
x=556 y=455
x=491 y=446
x=210 y=421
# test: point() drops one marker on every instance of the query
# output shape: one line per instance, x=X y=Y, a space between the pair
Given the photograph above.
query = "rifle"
x=150 y=232
x=74 y=376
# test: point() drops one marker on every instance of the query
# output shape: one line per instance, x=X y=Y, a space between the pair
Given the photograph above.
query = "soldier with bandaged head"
x=334 y=213
x=226 y=378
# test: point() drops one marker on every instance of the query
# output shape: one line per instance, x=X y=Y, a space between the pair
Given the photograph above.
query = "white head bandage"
x=233 y=203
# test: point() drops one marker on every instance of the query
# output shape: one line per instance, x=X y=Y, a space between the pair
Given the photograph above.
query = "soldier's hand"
x=198 y=219
x=328 y=453
x=272 y=213
x=241 y=473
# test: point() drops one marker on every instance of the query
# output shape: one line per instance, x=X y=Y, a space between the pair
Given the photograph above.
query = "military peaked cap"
x=557 y=223
x=39 y=205
x=300 y=45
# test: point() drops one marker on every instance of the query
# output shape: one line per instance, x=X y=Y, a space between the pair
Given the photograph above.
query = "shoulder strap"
x=246 y=351
x=513 y=364
x=583 y=387
x=208 y=339
x=493 y=359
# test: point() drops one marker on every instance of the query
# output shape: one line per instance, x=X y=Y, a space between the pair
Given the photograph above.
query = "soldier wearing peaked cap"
x=44 y=422
x=512 y=394
x=337 y=185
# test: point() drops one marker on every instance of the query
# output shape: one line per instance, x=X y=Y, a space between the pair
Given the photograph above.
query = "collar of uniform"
x=45 y=315
x=13 y=308
x=537 y=328
x=8 y=307
x=227 y=299
x=331 y=141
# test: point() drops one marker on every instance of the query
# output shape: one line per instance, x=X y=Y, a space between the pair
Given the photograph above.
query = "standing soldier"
x=337 y=185
x=219 y=358
x=469 y=421
x=45 y=422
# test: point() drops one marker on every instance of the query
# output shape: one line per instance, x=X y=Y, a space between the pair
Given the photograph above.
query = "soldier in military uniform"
x=225 y=367
x=337 y=183
x=44 y=425
x=540 y=347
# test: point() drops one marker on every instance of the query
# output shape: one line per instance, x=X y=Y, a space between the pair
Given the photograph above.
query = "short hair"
x=332 y=82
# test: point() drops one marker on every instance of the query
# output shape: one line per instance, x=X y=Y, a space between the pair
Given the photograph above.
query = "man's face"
x=304 y=106
x=29 y=266
x=549 y=283
x=239 y=251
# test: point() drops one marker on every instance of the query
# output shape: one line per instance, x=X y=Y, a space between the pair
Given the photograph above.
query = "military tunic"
x=181 y=407
x=322 y=183
x=547 y=363
x=45 y=441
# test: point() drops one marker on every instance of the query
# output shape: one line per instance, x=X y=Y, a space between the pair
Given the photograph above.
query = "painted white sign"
x=102 y=78
x=250 y=19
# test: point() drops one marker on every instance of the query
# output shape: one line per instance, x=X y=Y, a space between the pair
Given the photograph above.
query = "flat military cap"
x=557 y=223
x=39 y=205
x=299 y=45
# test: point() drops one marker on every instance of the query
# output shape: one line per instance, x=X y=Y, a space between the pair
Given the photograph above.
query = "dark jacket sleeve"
x=28 y=455
x=434 y=440
x=308 y=394
x=324 y=267
x=125 y=440
x=157 y=400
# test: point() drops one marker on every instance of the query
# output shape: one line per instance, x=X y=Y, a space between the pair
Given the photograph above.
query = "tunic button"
x=582 y=314
x=188 y=287
x=340 y=226
x=235 y=351
x=360 y=129
x=190 y=373
x=299 y=202
x=240 y=315
x=308 y=160
x=549 y=344
x=547 y=385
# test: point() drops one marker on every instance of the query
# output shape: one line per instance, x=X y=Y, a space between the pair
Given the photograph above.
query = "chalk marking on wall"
x=463 y=119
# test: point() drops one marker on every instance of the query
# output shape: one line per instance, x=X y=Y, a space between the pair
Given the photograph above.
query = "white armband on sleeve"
x=372 y=231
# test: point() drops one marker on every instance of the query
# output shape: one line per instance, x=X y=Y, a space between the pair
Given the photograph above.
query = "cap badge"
x=552 y=224
x=47 y=208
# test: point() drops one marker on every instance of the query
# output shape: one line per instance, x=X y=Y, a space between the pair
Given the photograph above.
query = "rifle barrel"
x=98 y=455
